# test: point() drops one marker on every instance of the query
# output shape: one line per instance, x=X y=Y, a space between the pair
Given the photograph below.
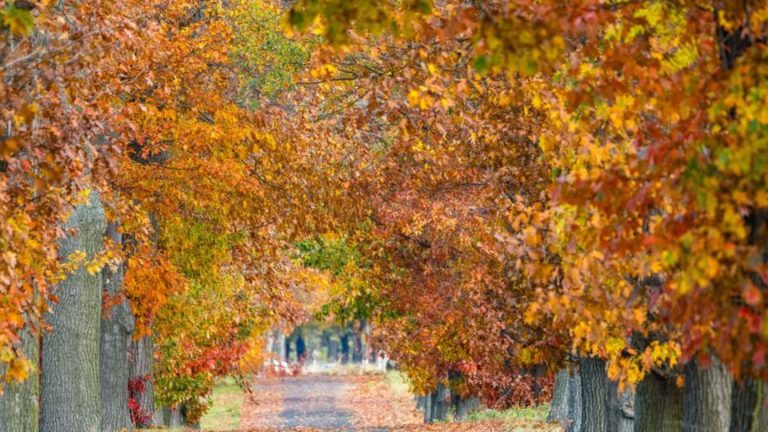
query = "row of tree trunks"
x=436 y=404
x=439 y=403
x=81 y=382
x=585 y=400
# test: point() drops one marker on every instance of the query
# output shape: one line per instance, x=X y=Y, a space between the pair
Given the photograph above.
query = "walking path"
x=368 y=403
x=304 y=401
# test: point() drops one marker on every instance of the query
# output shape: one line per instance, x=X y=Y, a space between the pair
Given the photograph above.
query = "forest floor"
x=367 y=402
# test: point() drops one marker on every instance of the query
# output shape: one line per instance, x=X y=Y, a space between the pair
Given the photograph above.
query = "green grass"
x=518 y=419
x=537 y=413
x=224 y=414
x=398 y=382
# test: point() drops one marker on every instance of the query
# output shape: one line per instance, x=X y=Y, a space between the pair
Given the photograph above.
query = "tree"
x=70 y=378
x=639 y=128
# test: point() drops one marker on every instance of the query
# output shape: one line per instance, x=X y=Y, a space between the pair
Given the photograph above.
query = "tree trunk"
x=70 y=360
x=428 y=408
x=440 y=403
x=575 y=405
x=357 y=342
x=19 y=407
x=140 y=357
x=558 y=410
x=594 y=393
x=175 y=419
x=333 y=350
x=620 y=408
x=465 y=407
x=116 y=329
x=280 y=345
x=658 y=405
x=748 y=410
x=345 y=347
x=420 y=402
x=707 y=398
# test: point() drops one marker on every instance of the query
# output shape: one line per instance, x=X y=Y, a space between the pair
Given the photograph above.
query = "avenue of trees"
x=530 y=200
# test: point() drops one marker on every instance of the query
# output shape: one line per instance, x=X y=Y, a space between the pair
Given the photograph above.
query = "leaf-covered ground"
x=372 y=402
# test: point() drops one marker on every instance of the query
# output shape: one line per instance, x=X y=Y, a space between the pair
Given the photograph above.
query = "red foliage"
x=139 y=416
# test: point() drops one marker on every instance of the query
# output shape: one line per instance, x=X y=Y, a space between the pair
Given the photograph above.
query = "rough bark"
x=594 y=393
x=748 y=410
x=572 y=422
x=620 y=408
x=658 y=405
x=140 y=361
x=19 y=407
x=558 y=410
x=707 y=398
x=116 y=329
x=71 y=399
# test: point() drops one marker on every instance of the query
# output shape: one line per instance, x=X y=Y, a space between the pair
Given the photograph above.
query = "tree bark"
x=116 y=328
x=70 y=360
x=707 y=398
x=620 y=408
x=558 y=410
x=658 y=405
x=748 y=410
x=572 y=422
x=140 y=358
x=19 y=407
x=594 y=393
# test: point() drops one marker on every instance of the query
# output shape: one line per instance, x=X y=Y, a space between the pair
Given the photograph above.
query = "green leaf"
x=19 y=21
x=481 y=64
